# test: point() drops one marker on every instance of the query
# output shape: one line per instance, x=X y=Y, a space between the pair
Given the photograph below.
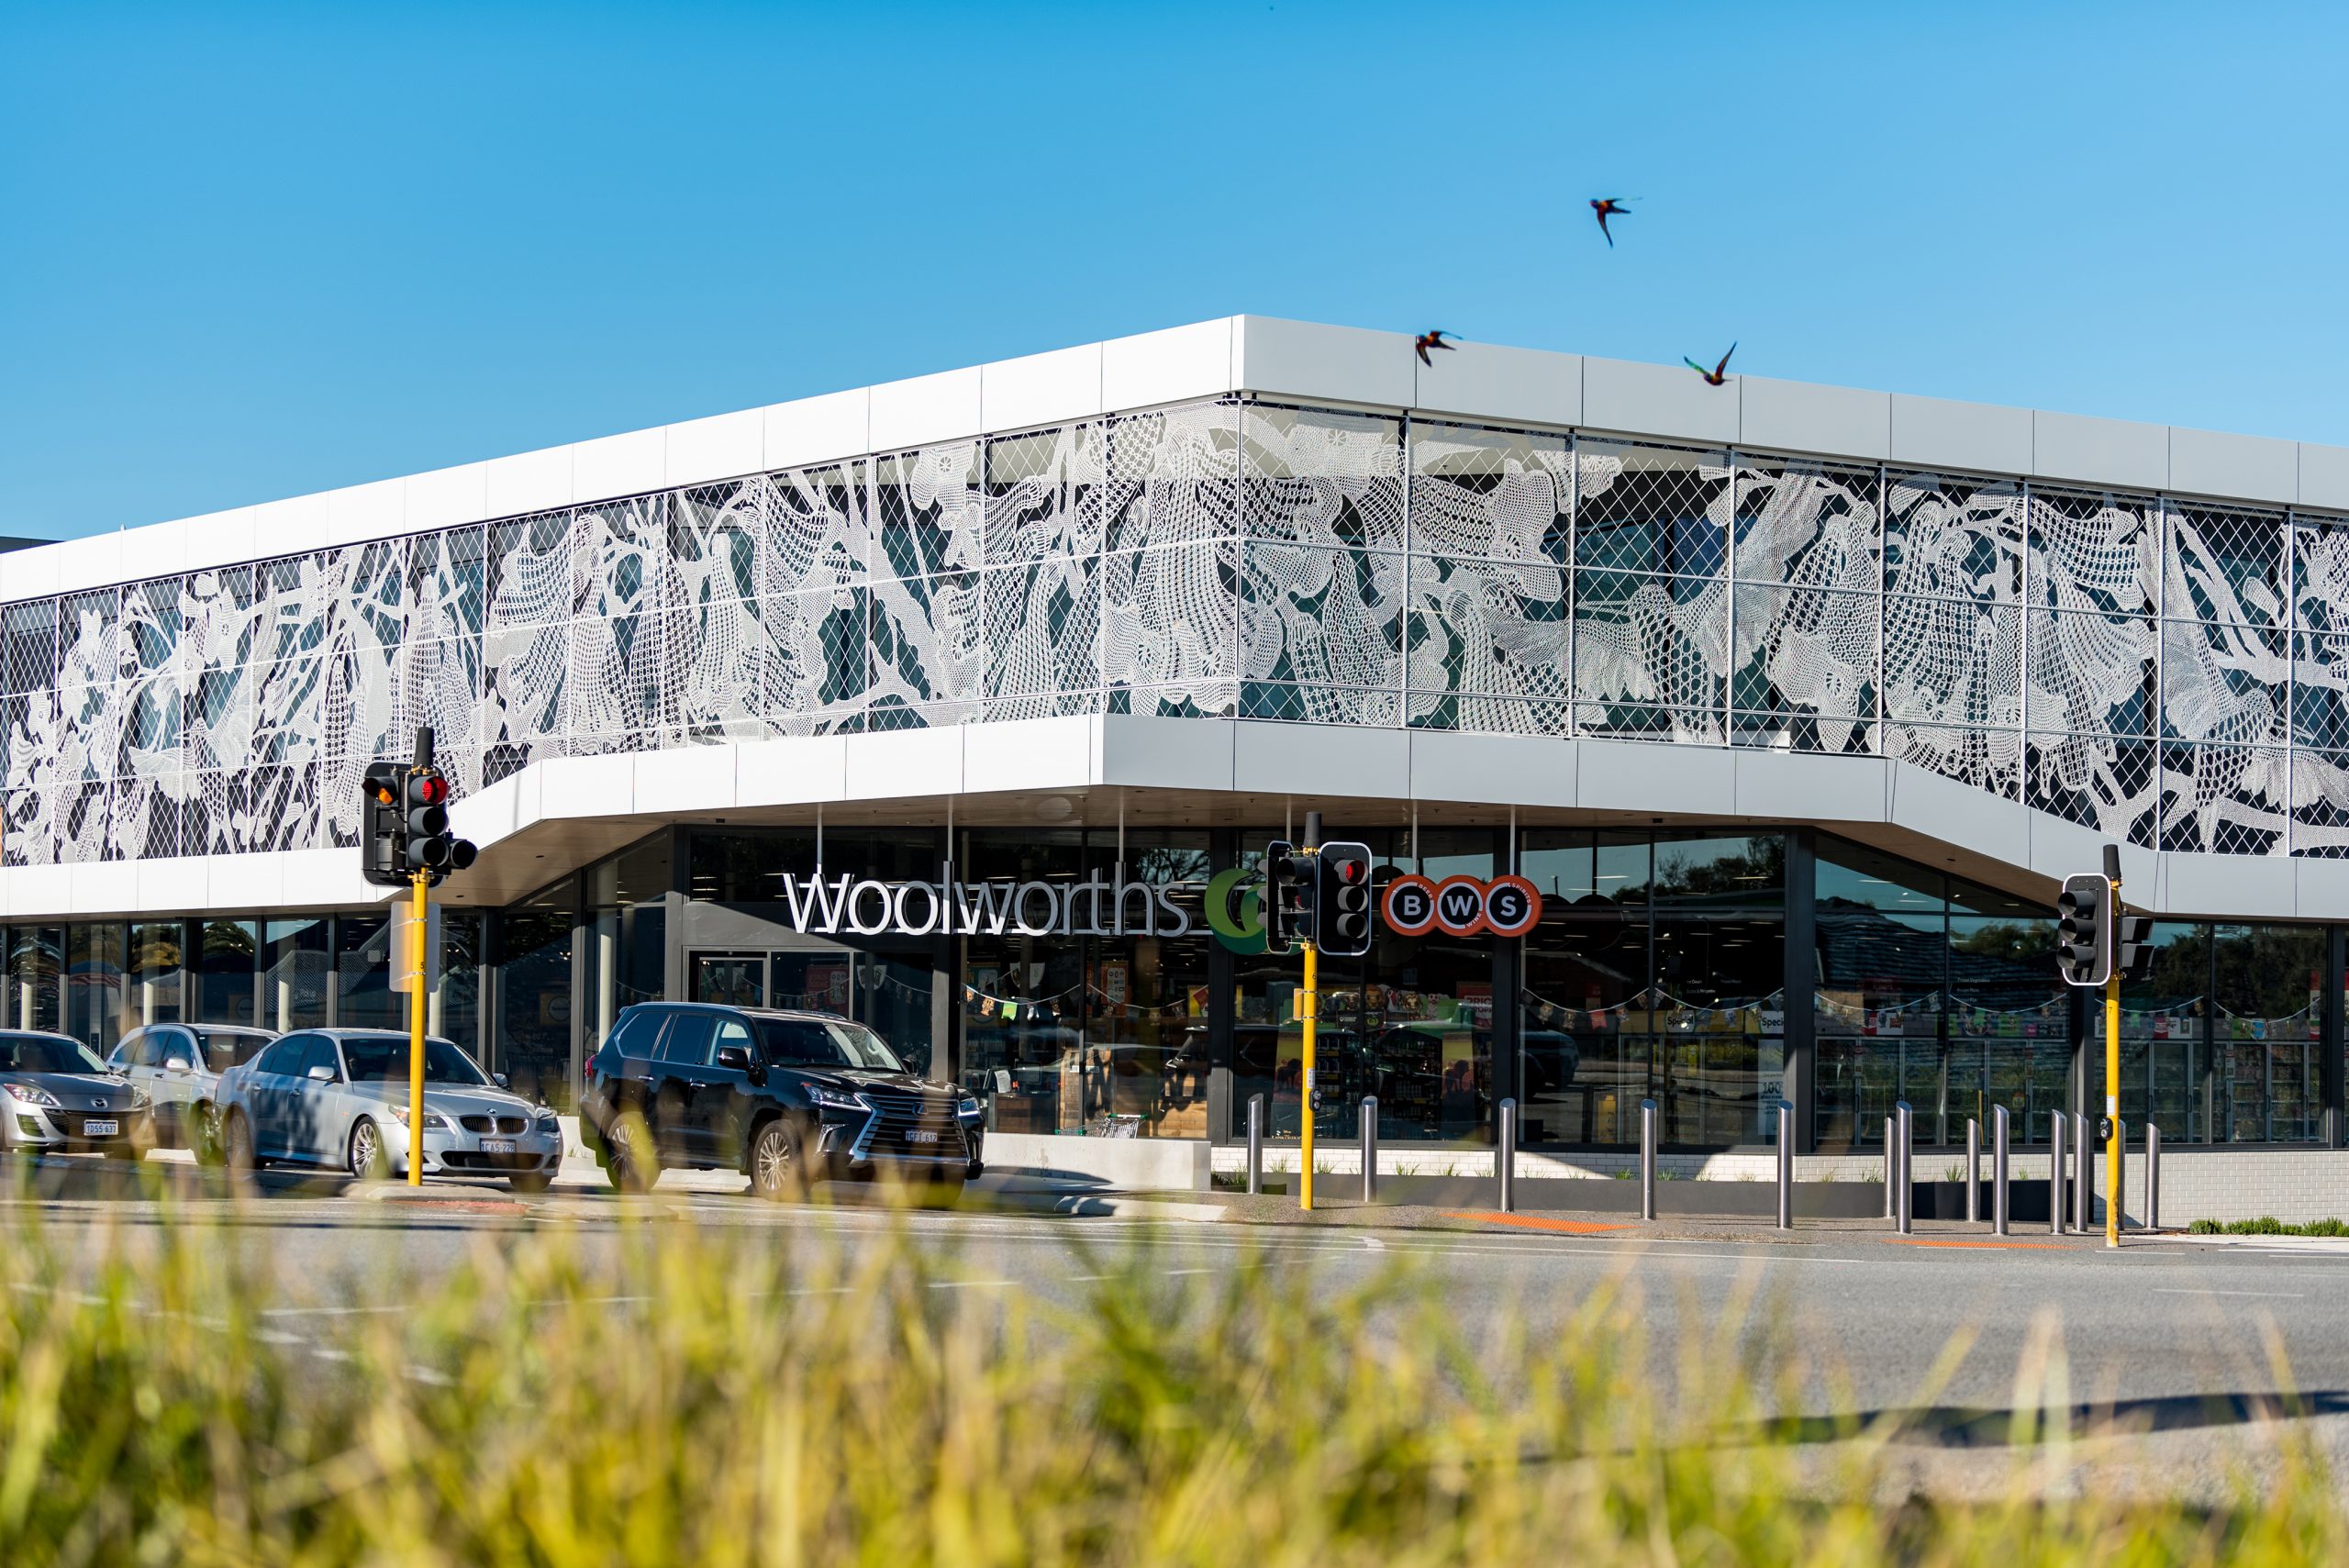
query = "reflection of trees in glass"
x=1697 y=868
x=2012 y=941
x=2268 y=971
x=1165 y=863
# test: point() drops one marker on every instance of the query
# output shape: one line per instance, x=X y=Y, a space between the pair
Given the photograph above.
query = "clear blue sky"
x=249 y=252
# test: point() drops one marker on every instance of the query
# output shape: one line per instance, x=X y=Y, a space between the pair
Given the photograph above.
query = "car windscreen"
x=385 y=1061
x=223 y=1048
x=46 y=1053
x=825 y=1042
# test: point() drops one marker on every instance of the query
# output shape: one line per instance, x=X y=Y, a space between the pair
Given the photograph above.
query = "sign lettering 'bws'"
x=1462 y=906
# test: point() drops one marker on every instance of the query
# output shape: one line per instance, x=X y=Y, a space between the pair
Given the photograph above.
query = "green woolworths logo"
x=1236 y=911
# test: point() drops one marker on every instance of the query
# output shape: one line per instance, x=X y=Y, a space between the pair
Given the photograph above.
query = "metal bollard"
x=1647 y=1159
x=1256 y=1143
x=1506 y=1157
x=2153 y=1176
x=1785 y=1165
x=1973 y=1171
x=1891 y=1166
x=2083 y=1166
x=1370 y=1149
x=1905 y=1216
x=2121 y=1174
x=2056 y=1123
x=1999 y=1168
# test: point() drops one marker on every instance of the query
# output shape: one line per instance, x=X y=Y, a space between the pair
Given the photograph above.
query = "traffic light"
x=1288 y=896
x=427 y=845
x=404 y=824
x=379 y=826
x=2135 y=955
x=1341 y=907
x=2084 y=929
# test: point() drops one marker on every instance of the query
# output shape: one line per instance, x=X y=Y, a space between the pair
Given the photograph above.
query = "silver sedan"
x=339 y=1098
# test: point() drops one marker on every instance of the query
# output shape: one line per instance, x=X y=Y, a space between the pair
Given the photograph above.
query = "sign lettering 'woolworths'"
x=1094 y=907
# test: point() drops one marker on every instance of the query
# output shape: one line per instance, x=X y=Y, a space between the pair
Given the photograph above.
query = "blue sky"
x=248 y=253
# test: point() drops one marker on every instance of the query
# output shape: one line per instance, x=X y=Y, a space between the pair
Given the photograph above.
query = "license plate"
x=101 y=1129
x=497 y=1146
x=921 y=1136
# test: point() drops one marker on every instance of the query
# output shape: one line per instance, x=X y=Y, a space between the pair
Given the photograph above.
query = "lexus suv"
x=784 y=1097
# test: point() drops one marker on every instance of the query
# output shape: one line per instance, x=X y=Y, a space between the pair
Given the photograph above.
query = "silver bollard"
x=1370 y=1149
x=1506 y=1157
x=2120 y=1172
x=1785 y=1165
x=2056 y=1123
x=1973 y=1171
x=1891 y=1166
x=1256 y=1143
x=1905 y=1216
x=2153 y=1176
x=1999 y=1168
x=1647 y=1159
x=2084 y=1165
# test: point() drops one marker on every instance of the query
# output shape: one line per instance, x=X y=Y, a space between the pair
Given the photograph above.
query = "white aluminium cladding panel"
x=1252 y=758
x=1289 y=359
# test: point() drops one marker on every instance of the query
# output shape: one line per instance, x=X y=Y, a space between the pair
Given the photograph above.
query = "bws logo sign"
x=1462 y=906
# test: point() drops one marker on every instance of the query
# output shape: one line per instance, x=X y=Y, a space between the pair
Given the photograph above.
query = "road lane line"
x=2270 y=1295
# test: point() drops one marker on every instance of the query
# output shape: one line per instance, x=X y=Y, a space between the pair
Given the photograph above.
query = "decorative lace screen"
x=2173 y=673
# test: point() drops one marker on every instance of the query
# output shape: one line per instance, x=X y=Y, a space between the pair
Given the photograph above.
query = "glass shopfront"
x=1101 y=1028
x=1102 y=983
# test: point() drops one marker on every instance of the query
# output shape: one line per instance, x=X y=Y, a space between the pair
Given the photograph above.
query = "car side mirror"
x=737 y=1059
x=320 y=1072
x=503 y=1080
x=178 y=1065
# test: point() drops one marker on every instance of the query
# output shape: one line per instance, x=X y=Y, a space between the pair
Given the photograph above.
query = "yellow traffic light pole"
x=1310 y=1001
x=420 y=935
x=2112 y=1074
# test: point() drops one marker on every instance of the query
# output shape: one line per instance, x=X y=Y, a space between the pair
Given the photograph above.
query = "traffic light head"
x=380 y=854
x=2084 y=929
x=1281 y=928
x=1342 y=909
x=426 y=845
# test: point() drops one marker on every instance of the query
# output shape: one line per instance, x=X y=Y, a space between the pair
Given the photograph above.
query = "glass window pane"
x=364 y=998
x=227 y=960
x=157 y=950
x=294 y=987
x=533 y=1028
x=94 y=984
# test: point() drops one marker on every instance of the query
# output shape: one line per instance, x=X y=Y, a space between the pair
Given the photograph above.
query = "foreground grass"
x=714 y=1397
x=2266 y=1225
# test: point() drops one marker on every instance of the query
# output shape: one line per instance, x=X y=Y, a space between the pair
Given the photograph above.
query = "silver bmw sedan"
x=339 y=1098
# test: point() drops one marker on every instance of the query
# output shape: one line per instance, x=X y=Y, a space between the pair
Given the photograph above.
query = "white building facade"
x=1793 y=702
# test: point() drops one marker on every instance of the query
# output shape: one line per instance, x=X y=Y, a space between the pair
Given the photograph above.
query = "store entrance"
x=888 y=992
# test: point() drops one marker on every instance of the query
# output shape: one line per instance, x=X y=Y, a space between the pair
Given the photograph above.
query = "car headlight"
x=433 y=1121
x=547 y=1122
x=137 y=1098
x=32 y=1095
x=969 y=1106
x=833 y=1099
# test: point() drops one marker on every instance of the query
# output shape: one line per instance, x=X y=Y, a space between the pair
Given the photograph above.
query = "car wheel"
x=632 y=1163
x=531 y=1180
x=367 y=1160
x=203 y=1135
x=776 y=1169
x=237 y=1146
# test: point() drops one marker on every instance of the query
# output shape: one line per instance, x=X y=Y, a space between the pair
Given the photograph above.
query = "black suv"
x=786 y=1098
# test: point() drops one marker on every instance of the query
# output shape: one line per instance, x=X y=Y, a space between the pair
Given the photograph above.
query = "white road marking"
x=2271 y=1294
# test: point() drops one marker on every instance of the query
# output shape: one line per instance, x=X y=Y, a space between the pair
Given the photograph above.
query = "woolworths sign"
x=1094 y=907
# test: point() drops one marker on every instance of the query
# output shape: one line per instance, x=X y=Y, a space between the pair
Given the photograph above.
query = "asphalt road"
x=2174 y=1340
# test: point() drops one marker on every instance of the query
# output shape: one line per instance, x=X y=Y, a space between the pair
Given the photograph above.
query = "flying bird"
x=1427 y=340
x=1715 y=376
x=1607 y=207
